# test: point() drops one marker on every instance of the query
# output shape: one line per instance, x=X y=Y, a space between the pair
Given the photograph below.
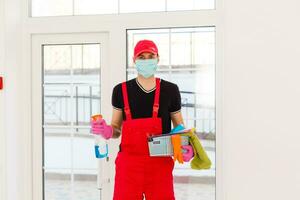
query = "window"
x=187 y=58
x=91 y=7
x=71 y=94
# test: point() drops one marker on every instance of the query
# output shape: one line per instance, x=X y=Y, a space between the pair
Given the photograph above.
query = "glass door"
x=68 y=83
x=187 y=58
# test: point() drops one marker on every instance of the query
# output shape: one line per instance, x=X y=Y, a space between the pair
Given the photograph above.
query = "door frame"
x=37 y=112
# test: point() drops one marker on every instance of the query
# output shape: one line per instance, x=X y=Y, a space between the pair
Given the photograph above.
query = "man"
x=143 y=106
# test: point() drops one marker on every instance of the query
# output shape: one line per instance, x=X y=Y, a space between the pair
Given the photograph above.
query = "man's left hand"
x=189 y=154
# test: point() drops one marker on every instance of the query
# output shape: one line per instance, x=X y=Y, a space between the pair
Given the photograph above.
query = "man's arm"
x=116 y=122
x=176 y=118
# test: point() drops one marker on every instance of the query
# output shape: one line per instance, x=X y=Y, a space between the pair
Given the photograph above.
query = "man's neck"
x=147 y=83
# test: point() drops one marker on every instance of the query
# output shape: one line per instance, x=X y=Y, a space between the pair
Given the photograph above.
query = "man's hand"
x=189 y=154
x=100 y=127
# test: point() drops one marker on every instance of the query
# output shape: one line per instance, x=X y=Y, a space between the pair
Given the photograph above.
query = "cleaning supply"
x=187 y=149
x=178 y=128
x=200 y=160
x=96 y=117
x=100 y=143
x=161 y=145
x=177 y=153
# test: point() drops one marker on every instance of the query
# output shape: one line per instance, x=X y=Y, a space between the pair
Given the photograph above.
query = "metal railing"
x=56 y=109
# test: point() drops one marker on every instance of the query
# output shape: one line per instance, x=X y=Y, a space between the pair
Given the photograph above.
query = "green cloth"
x=200 y=159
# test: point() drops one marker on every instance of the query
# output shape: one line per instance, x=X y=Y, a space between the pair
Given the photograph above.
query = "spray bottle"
x=101 y=151
x=101 y=146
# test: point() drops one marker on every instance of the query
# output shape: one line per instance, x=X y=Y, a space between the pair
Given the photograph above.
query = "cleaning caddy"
x=170 y=145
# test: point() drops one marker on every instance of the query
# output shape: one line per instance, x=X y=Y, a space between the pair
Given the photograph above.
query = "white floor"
x=85 y=190
x=185 y=191
x=193 y=185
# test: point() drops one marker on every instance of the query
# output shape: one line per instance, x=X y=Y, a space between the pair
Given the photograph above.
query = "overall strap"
x=156 y=98
x=125 y=100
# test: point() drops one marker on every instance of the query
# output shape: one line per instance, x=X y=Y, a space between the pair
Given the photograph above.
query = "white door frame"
x=75 y=38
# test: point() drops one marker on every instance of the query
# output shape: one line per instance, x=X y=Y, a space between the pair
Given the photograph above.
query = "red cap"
x=144 y=46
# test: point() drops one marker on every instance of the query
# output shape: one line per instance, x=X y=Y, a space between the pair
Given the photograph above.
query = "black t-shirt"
x=141 y=101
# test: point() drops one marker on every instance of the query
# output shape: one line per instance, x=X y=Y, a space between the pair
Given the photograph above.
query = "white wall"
x=2 y=138
x=261 y=100
x=260 y=93
x=10 y=100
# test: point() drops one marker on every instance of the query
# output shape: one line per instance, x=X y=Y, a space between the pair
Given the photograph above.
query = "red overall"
x=136 y=172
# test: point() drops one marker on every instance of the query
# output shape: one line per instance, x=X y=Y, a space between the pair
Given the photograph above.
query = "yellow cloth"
x=200 y=160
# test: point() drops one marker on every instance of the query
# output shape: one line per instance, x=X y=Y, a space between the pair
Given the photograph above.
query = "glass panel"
x=190 y=64
x=204 y=4
x=51 y=7
x=181 y=48
x=127 y=6
x=198 y=98
x=57 y=104
x=173 y=5
x=86 y=63
x=57 y=163
x=57 y=63
x=203 y=42
x=71 y=95
x=86 y=103
x=89 y=7
x=57 y=152
x=91 y=57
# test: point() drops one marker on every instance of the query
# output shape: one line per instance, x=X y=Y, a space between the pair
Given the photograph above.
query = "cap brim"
x=143 y=51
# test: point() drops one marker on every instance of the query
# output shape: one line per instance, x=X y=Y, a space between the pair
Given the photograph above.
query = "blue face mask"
x=146 y=67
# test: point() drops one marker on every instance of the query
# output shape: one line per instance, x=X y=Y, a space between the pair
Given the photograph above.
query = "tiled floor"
x=86 y=190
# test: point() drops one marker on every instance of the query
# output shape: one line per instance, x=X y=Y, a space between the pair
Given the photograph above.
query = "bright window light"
x=42 y=8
